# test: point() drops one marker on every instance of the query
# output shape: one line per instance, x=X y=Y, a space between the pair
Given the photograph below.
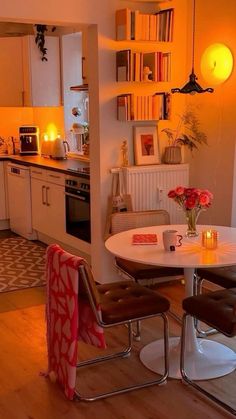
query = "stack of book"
x=134 y=25
x=131 y=107
x=130 y=65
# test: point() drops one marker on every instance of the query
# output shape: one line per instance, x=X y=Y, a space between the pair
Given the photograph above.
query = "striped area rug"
x=22 y=264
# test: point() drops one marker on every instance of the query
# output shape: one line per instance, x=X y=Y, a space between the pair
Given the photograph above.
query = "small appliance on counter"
x=59 y=148
x=29 y=139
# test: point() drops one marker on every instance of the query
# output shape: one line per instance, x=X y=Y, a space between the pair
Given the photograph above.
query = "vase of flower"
x=192 y=217
x=192 y=201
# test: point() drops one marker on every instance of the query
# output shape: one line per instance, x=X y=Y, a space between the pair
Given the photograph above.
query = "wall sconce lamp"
x=216 y=63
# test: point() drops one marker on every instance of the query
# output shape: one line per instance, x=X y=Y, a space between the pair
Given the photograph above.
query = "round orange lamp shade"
x=216 y=63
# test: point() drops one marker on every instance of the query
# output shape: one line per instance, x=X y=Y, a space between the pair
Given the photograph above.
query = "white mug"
x=171 y=239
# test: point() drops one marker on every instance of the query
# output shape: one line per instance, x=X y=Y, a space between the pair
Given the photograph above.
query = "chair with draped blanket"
x=79 y=309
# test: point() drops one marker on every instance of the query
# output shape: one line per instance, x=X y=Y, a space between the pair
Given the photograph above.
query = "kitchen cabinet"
x=3 y=192
x=26 y=80
x=48 y=202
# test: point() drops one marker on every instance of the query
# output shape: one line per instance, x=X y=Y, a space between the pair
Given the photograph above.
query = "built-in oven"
x=77 y=196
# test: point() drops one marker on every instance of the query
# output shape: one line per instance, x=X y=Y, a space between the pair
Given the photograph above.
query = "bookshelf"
x=140 y=65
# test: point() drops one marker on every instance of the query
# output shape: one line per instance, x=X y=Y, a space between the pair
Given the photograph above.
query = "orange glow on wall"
x=216 y=63
x=51 y=131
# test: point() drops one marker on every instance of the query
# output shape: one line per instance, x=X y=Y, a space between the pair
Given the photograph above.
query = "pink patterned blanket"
x=68 y=318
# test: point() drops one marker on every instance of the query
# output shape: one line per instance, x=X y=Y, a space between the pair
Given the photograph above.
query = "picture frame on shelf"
x=146 y=145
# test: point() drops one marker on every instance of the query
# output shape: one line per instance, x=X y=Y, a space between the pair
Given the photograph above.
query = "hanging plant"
x=40 y=39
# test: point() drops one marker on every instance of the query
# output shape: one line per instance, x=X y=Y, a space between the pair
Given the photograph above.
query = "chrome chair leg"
x=188 y=380
x=159 y=381
x=197 y=289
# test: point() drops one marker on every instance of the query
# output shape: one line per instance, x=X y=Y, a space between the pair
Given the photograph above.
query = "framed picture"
x=146 y=146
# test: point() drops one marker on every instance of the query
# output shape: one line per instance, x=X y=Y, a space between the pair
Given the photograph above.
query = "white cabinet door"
x=3 y=203
x=11 y=72
x=42 y=82
x=48 y=208
x=25 y=79
x=39 y=207
x=55 y=202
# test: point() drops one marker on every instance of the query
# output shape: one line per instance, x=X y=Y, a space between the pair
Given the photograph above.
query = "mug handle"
x=180 y=238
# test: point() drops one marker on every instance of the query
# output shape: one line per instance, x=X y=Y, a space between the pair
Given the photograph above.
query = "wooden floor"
x=25 y=394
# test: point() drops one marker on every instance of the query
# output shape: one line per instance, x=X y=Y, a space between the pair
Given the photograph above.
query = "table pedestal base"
x=210 y=359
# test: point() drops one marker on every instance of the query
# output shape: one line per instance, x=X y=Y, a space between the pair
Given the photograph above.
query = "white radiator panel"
x=149 y=186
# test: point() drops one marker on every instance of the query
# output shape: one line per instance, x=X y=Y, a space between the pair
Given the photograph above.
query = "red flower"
x=190 y=202
x=172 y=194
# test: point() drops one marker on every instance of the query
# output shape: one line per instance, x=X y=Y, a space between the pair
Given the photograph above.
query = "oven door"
x=78 y=213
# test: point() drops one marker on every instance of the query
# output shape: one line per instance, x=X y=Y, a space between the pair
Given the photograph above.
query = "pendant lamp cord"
x=193 y=40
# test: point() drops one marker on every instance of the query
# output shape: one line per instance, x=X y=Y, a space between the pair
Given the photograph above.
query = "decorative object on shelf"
x=192 y=201
x=146 y=73
x=209 y=239
x=217 y=63
x=192 y=86
x=124 y=154
x=146 y=147
x=40 y=39
x=191 y=138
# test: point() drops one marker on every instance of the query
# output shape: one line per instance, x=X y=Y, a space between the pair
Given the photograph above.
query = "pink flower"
x=204 y=199
x=191 y=198
x=179 y=190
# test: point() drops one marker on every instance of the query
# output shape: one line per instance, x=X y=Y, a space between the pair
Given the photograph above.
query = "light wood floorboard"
x=24 y=394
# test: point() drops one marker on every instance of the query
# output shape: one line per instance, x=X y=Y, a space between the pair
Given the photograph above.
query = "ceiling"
x=8 y=29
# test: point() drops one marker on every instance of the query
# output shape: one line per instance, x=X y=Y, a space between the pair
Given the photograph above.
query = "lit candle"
x=209 y=239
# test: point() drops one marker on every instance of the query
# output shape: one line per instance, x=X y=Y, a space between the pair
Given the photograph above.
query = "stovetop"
x=80 y=170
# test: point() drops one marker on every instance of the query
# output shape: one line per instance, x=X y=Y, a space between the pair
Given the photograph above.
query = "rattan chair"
x=224 y=277
x=218 y=310
x=123 y=303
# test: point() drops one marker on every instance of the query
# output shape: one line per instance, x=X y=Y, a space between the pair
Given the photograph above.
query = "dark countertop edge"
x=44 y=166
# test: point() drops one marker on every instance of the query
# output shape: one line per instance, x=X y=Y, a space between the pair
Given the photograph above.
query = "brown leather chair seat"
x=217 y=309
x=140 y=271
x=127 y=300
x=225 y=276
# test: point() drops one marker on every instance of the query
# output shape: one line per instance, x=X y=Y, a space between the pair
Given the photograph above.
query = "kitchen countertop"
x=63 y=166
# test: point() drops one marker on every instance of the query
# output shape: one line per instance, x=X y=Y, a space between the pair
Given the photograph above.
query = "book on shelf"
x=130 y=65
x=134 y=25
x=123 y=24
x=131 y=107
x=123 y=65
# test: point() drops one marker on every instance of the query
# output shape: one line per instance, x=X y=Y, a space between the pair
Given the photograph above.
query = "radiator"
x=149 y=186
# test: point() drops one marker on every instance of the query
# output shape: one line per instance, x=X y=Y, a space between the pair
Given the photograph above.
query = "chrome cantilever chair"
x=224 y=277
x=122 y=221
x=123 y=303
x=140 y=272
x=218 y=310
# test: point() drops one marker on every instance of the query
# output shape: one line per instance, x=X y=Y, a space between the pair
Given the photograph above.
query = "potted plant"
x=191 y=137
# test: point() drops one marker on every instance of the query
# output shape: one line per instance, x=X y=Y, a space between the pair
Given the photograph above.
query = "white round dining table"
x=205 y=358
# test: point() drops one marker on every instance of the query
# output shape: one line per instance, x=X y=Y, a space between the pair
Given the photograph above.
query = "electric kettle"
x=59 y=148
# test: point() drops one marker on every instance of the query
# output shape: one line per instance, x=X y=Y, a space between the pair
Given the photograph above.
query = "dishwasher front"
x=19 y=195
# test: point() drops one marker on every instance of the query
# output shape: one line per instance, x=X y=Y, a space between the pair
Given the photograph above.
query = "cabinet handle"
x=36 y=172
x=47 y=201
x=43 y=199
x=55 y=176
x=83 y=68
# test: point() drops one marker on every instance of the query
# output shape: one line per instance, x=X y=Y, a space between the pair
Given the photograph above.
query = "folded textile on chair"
x=69 y=318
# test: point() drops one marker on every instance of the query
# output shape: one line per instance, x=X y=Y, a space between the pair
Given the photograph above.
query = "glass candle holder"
x=209 y=239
